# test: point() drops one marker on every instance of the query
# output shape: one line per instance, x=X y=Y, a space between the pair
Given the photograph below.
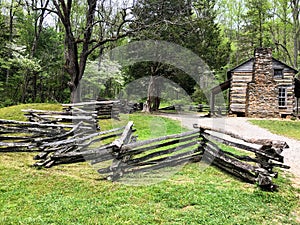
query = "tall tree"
x=272 y=23
x=167 y=21
x=281 y=29
x=32 y=26
x=13 y=7
x=255 y=19
x=82 y=41
x=4 y=51
x=186 y=23
x=295 y=6
x=230 y=17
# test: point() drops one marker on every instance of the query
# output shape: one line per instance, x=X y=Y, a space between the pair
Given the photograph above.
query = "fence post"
x=119 y=162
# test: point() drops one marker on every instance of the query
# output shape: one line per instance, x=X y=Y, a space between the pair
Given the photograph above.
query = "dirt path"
x=242 y=127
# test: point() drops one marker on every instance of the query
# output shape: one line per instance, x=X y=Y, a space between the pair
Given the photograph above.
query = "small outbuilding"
x=261 y=87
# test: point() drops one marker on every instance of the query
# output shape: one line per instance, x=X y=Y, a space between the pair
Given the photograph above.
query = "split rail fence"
x=87 y=112
x=117 y=152
x=251 y=164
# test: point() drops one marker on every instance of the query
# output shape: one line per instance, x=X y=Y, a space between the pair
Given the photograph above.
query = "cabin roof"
x=285 y=65
x=247 y=66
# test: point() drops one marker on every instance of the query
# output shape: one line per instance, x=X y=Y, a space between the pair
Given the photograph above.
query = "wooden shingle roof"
x=247 y=66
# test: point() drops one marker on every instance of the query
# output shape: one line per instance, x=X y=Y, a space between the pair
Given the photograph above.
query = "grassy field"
x=75 y=194
x=286 y=128
x=15 y=112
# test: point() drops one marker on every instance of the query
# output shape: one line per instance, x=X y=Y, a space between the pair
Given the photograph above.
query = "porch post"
x=297 y=106
x=212 y=103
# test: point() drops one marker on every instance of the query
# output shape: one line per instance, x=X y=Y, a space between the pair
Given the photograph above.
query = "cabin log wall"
x=238 y=91
x=261 y=94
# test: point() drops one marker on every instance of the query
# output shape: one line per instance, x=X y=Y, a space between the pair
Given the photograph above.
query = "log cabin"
x=262 y=87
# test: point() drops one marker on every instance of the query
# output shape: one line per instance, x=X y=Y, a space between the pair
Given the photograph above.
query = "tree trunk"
x=295 y=8
x=11 y=20
x=25 y=87
x=147 y=105
x=79 y=47
x=153 y=96
x=75 y=92
x=75 y=61
x=157 y=93
x=156 y=103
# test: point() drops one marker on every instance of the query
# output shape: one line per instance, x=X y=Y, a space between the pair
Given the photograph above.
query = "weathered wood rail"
x=87 y=112
x=51 y=126
x=76 y=147
x=154 y=154
x=251 y=164
x=103 y=109
x=89 y=118
x=255 y=168
x=21 y=136
x=116 y=152
x=61 y=144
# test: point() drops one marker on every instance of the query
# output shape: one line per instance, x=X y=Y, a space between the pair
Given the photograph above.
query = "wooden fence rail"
x=251 y=164
x=116 y=152
x=102 y=109
x=56 y=145
x=43 y=116
x=75 y=148
x=87 y=112
x=153 y=154
x=54 y=132
x=21 y=136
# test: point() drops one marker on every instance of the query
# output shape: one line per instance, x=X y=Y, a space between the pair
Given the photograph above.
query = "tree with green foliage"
x=272 y=23
x=105 y=80
x=281 y=29
x=4 y=38
x=100 y=24
x=295 y=7
x=256 y=17
x=4 y=53
x=186 y=23
x=166 y=21
x=32 y=69
x=58 y=38
x=230 y=19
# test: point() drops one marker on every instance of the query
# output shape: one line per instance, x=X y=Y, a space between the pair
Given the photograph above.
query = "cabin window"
x=278 y=73
x=282 y=98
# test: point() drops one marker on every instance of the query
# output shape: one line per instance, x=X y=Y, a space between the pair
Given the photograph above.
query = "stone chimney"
x=262 y=93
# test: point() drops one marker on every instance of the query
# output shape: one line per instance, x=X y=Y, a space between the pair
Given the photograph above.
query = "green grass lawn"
x=148 y=126
x=286 y=128
x=75 y=194
x=15 y=113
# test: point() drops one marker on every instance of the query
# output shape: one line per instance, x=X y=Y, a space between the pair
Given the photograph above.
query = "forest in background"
x=46 y=46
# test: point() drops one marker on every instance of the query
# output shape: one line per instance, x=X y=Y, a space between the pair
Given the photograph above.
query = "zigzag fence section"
x=58 y=131
x=117 y=153
x=251 y=160
x=149 y=155
x=76 y=147
x=22 y=136
x=90 y=113
x=100 y=109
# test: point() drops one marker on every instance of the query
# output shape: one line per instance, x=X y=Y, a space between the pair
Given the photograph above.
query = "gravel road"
x=240 y=126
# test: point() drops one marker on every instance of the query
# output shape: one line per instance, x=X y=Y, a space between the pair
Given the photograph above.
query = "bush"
x=6 y=103
x=199 y=97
